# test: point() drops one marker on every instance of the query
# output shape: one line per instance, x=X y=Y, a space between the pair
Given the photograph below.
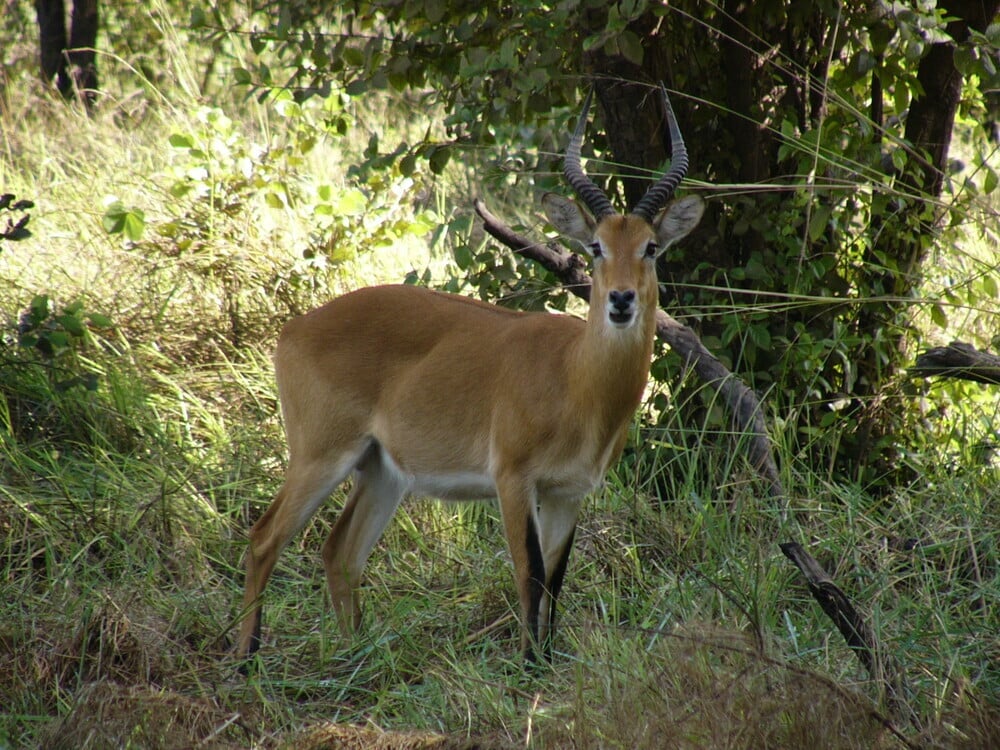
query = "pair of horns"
x=655 y=198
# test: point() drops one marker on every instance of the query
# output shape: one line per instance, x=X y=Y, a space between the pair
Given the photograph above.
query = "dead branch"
x=958 y=360
x=743 y=403
x=856 y=632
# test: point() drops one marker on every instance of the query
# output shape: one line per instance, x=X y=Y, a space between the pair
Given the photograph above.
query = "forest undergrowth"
x=140 y=437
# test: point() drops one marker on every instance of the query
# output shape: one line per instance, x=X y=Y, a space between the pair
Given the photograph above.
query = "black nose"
x=621 y=301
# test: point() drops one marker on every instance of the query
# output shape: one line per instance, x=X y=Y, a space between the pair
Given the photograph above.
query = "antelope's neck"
x=612 y=369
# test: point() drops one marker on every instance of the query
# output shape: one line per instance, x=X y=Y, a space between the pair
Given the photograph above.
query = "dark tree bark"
x=958 y=360
x=932 y=116
x=70 y=61
x=740 y=63
x=52 y=41
x=896 y=257
x=631 y=111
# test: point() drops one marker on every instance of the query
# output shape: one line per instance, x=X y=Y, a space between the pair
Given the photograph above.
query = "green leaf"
x=990 y=180
x=135 y=223
x=899 y=159
x=354 y=57
x=351 y=202
x=990 y=286
x=118 y=219
x=630 y=46
x=760 y=336
x=39 y=308
x=439 y=159
x=198 y=18
x=113 y=220
x=178 y=140
x=72 y=324
x=408 y=164
x=463 y=256
x=179 y=189
x=818 y=222
x=938 y=316
x=356 y=87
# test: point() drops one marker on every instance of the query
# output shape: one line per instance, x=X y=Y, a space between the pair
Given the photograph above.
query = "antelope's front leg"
x=557 y=523
x=518 y=501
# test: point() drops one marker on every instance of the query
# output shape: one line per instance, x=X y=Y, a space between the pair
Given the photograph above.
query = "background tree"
x=826 y=126
x=71 y=60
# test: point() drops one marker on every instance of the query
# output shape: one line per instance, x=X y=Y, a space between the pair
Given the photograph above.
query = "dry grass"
x=124 y=511
x=110 y=715
x=704 y=688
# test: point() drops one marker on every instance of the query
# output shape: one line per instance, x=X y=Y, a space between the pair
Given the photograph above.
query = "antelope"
x=417 y=392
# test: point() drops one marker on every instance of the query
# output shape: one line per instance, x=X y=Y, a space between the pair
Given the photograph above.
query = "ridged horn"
x=592 y=196
x=658 y=195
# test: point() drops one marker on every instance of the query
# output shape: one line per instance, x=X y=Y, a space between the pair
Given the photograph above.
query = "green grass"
x=124 y=512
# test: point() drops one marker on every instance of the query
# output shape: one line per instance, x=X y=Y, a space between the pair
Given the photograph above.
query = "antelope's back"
x=410 y=358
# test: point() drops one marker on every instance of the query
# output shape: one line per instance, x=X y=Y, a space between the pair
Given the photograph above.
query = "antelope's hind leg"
x=378 y=490
x=307 y=486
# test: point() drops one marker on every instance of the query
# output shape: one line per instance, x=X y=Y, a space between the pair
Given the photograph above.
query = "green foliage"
x=809 y=291
x=225 y=185
x=133 y=459
x=54 y=386
x=56 y=335
x=121 y=220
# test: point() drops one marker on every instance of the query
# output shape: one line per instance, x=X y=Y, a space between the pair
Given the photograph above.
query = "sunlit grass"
x=124 y=509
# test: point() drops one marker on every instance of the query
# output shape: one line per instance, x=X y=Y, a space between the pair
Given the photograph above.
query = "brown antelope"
x=417 y=392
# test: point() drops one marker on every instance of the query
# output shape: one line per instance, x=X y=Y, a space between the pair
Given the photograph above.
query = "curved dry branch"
x=858 y=634
x=743 y=403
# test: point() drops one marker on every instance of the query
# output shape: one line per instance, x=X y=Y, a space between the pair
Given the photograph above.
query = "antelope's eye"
x=651 y=249
x=595 y=249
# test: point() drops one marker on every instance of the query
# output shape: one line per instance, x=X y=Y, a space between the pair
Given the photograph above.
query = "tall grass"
x=124 y=511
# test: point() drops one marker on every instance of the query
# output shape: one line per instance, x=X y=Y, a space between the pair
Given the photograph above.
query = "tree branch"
x=958 y=360
x=856 y=632
x=743 y=403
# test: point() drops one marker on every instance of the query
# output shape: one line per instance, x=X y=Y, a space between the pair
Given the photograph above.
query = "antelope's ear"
x=567 y=217
x=677 y=220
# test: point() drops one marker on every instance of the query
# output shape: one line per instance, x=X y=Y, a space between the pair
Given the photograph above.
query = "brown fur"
x=421 y=392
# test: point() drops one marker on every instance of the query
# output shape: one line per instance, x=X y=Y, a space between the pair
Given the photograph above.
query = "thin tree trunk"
x=897 y=255
x=82 y=48
x=71 y=61
x=51 y=16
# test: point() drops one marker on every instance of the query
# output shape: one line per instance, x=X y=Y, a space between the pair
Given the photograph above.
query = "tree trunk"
x=71 y=62
x=52 y=42
x=82 y=46
x=897 y=255
x=631 y=110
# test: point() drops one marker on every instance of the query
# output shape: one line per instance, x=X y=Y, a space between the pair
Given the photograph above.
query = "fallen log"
x=958 y=360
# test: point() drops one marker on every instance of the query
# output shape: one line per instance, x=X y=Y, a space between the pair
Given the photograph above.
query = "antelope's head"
x=624 y=247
